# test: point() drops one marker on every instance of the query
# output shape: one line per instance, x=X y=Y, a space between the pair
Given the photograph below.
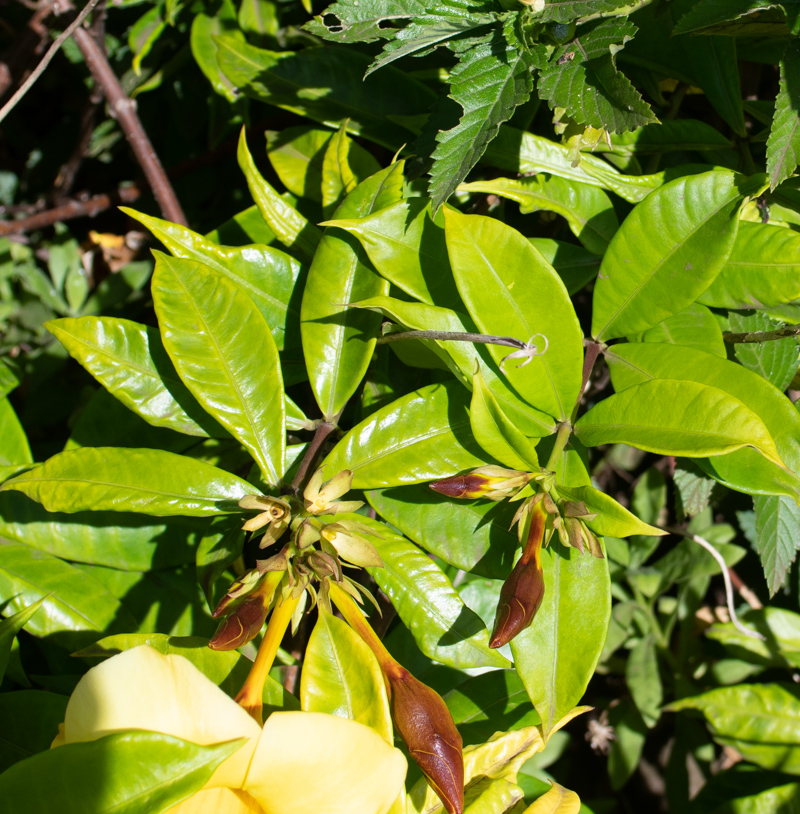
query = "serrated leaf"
x=694 y=487
x=582 y=77
x=345 y=21
x=564 y=11
x=776 y=360
x=777 y=542
x=489 y=82
x=783 y=145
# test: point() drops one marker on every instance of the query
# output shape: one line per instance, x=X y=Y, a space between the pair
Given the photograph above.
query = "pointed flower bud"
x=425 y=724
x=492 y=482
x=243 y=586
x=245 y=615
x=351 y=546
x=523 y=591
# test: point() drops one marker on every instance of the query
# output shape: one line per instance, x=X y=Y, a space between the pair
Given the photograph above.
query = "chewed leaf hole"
x=332 y=23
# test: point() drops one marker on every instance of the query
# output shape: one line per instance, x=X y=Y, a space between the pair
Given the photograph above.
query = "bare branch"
x=762 y=336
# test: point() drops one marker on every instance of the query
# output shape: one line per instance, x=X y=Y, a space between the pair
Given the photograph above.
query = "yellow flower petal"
x=218 y=801
x=143 y=689
x=309 y=762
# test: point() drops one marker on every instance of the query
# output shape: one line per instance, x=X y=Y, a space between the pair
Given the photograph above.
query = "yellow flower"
x=299 y=763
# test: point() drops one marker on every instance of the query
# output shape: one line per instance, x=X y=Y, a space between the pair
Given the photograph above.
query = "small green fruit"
x=561 y=33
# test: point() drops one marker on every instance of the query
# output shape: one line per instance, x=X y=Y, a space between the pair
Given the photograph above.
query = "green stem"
x=564 y=431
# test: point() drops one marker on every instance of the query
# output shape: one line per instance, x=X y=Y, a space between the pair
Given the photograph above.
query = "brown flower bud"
x=424 y=722
x=242 y=625
x=492 y=482
x=523 y=591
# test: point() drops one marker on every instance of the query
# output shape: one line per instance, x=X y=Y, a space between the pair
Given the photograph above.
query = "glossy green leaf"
x=231 y=366
x=674 y=417
x=8 y=379
x=443 y=627
x=783 y=145
x=780 y=628
x=612 y=519
x=205 y=27
x=776 y=361
x=129 y=360
x=131 y=480
x=334 y=88
x=488 y=796
x=760 y=721
x=296 y=155
x=420 y=437
x=341 y=677
x=14 y=448
x=644 y=681
x=343 y=168
x=30 y=722
x=288 y=225
x=338 y=341
x=220 y=547
x=133 y=541
x=9 y=629
x=75 y=609
x=491 y=702
x=695 y=326
x=228 y=669
x=496 y=433
x=556 y=656
x=471 y=535
x=777 y=521
x=587 y=209
x=667 y=136
x=123 y=773
x=510 y=290
x=406 y=244
x=259 y=17
x=267 y=275
x=763 y=270
x=462 y=357
x=687 y=224
x=575 y=266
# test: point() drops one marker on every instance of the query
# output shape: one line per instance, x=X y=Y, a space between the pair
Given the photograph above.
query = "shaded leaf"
x=783 y=145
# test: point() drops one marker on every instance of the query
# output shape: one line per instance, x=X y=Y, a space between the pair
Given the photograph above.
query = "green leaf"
x=267 y=275
x=694 y=488
x=575 y=266
x=707 y=13
x=133 y=542
x=556 y=656
x=338 y=341
x=688 y=224
x=423 y=436
x=341 y=677
x=674 y=417
x=327 y=85
x=205 y=28
x=8 y=379
x=777 y=521
x=760 y=721
x=763 y=270
x=780 y=628
x=695 y=326
x=443 y=627
x=9 y=629
x=688 y=560
x=473 y=536
x=338 y=177
x=289 y=226
x=406 y=244
x=587 y=209
x=131 y=480
x=565 y=11
x=14 y=448
x=510 y=290
x=783 y=145
x=259 y=17
x=361 y=21
x=129 y=360
x=633 y=364
x=590 y=60
x=496 y=433
x=30 y=722
x=296 y=155
x=644 y=681
x=626 y=748
x=228 y=669
x=489 y=82
x=668 y=136
x=220 y=547
x=123 y=773
x=613 y=519
x=75 y=608
x=776 y=361
x=461 y=357
x=488 y=703
x=230 y=365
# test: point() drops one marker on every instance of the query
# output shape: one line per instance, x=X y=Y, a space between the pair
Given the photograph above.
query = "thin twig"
x=725 y=575
x=90 y=207
x=744 y=591
x=124 y=108
x=320 y=435
x=762 y=336
x=46 y=59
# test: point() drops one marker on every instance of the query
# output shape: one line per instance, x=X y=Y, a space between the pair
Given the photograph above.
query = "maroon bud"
x=492 y=482
x=242 y=626
x=523 y=591
x=425 y=724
